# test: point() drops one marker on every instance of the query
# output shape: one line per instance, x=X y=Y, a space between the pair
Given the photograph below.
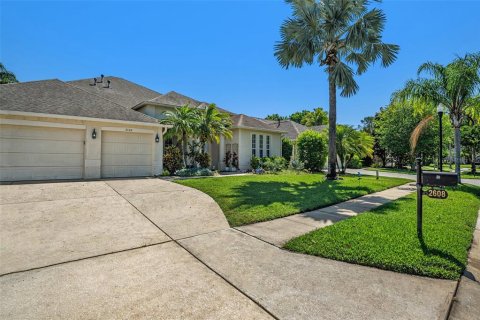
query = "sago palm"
x=344 y=37
x=455 y=85
x=213 y=124
x=351 y=142
x=185 y=121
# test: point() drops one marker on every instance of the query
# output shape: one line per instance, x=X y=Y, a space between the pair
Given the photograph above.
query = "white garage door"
x=40 y=153
x=126 y=154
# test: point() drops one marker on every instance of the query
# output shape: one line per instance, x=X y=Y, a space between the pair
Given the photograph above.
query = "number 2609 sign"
x=437 y=194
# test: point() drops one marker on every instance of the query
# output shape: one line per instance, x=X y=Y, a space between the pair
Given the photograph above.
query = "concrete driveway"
x=147 y=248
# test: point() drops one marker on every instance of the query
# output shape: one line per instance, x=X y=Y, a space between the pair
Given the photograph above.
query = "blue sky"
x=219 y=51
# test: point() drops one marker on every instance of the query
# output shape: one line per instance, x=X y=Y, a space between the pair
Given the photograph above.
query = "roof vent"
x=108 y=84
x=101 y=79
x=94 y=82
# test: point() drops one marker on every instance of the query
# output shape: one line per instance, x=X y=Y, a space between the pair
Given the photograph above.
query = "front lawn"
x=386 y=236
x=464 y=174
x=255 y=198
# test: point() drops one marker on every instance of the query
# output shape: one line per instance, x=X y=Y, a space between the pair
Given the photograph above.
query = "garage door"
x=126 y=154
x=40 y=153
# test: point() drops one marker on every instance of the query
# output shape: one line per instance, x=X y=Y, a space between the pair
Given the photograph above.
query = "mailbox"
x=439 y=179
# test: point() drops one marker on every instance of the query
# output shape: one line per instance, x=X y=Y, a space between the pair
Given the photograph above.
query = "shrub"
x=203 y=159
x=172 y=159
x=234 y=160
x=194 y=172
x=355 y=163
x=312 y=149
x=273 y=164
x=228 y=159
x=255 y=162
x=296 y=165
x=287 y=148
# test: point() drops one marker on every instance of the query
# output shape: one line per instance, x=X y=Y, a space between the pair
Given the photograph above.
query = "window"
x=268 y=146
x=261 y=145
x=254 y=145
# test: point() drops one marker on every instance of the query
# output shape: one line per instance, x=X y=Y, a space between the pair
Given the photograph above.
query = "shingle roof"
x=176 y=99
x=292 y=128
x=241 y=120
x=121 y=91
x=60 y=98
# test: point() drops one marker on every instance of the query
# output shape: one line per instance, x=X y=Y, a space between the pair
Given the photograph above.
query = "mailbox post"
x=419 y=199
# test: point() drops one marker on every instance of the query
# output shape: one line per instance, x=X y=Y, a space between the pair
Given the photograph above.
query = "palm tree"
x=351 y=142
x=6 y=76
x=337 y=34
x=455 y=85
x=213 y=124
x=185 y=122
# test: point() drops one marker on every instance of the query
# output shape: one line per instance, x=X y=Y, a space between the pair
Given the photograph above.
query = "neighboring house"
x=103 y=128
x=55 y=130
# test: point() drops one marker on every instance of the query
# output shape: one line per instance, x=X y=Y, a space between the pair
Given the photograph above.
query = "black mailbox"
x=439 y=179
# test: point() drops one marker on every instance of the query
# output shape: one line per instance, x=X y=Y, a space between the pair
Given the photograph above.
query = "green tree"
x=287 y=148
x=315 y=118
x=337 y=35
x=350 y=143
x=379 y=153
x=211 y=125
x=185 y=122
x=312 y=150
x=453 y=85
x=276 y=117
x=299 y=116
x=471 y=143
x=6 y=76
x=394 y=127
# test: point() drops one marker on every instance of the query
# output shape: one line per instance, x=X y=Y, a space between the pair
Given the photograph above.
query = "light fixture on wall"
x=157 y=138
x=94 y=134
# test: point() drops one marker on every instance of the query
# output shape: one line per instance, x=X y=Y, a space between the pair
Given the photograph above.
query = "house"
x=104 y=127
x=55 y=130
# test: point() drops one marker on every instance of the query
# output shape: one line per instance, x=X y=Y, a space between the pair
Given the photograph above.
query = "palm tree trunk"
x=457 y=148
x=332 y=125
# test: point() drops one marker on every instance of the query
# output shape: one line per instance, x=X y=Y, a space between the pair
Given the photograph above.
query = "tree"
x=379 y=153
x=299 y=116
x=287 y=148
x=394 y=127
x=315 y=118
x=212 y=124
x=453 y=85
x=338 y=34
x=6 y=76
x=471 y=142
x=275 y=117
x=350 y=143
x=185 y=122
x=312 y=150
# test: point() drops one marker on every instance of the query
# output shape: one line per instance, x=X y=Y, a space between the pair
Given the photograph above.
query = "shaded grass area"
x=255 y=198
x=464 y=174
x=386 y=236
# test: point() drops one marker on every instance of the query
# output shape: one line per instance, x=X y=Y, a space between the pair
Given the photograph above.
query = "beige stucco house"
x=107 y=127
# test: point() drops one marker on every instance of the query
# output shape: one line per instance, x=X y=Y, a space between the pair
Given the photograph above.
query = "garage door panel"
x=126 y=148
x=39 y=173
x=41 y=133
x=46 y=146
x=126 y=160
x=40 y=153
x=126 y=154
x=17 y=159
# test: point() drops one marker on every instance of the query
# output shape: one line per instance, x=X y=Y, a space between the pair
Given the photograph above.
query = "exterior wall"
x=92 y=150
x=245 y=145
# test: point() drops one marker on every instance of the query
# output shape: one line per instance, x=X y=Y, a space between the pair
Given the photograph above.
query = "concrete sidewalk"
x=279 y=231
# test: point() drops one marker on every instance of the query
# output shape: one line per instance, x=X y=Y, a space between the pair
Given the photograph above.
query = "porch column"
x=221 y=153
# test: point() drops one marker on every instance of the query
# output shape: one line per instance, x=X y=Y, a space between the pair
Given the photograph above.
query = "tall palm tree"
x=338 y=34
x=212 y=124
x=185 y=122
x=455 y=85
x=6 y=76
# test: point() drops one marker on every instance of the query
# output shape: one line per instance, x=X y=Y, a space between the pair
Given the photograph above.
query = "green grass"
x=255 y=198
x=386 y=236
x=465 y=174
